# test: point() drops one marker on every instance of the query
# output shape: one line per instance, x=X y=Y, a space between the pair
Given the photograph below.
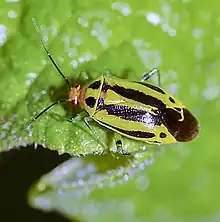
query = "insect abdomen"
x=144 y=112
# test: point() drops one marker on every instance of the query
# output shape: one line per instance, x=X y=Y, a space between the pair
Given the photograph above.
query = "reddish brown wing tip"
x=188 y=129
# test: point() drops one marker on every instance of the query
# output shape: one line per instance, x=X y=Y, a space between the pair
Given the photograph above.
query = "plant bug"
x=137 y=110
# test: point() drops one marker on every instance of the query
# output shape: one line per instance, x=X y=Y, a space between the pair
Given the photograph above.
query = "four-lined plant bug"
x=137 y=110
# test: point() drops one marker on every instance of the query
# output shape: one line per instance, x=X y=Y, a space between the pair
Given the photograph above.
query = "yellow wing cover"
x=144 y=112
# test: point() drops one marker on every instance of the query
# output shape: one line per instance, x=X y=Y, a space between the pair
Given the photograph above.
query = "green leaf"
x=77 y=179
x=96 y=48
x=181 y=38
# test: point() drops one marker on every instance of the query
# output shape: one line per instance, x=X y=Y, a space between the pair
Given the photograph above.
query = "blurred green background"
x=181 y=38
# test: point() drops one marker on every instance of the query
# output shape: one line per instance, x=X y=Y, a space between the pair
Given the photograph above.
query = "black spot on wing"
x=163 y=135
x=90 y=101
x=95 y=85
x=171 y=100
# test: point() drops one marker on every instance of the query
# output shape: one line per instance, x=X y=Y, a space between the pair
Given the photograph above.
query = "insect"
x=137 y=110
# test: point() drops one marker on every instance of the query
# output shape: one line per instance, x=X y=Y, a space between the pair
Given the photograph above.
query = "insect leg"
x=119 y=145
x=86 y=120
x=147 y=75
x=43 y=111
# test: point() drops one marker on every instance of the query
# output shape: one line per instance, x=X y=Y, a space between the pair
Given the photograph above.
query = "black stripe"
x=138 y=96
x=138 y=134
x=95 y=85
x=155 y=88
x=132 y=114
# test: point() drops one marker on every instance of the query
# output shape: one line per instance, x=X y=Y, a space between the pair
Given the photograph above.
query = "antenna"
x=49 y=55
x=59 y=71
